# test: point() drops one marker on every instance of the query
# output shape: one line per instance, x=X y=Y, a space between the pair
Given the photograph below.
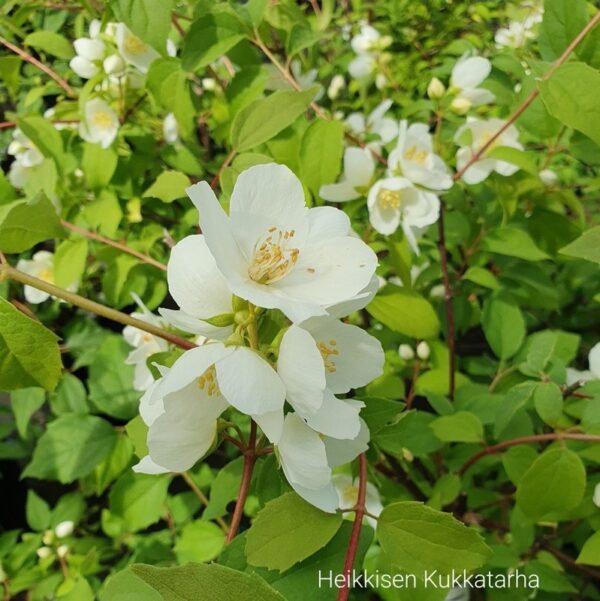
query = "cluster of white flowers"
x=518 y=33
x=369 y=46
x=271 y=265
x=26 y=155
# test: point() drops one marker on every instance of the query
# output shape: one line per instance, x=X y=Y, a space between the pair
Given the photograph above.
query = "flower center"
x=350 y=495
x=134 y=45
x=102 y=119
x=208 y=382
x=389 y=199
x=273 y=256
x=47 y=275
x=416 y=155
x=328 y=352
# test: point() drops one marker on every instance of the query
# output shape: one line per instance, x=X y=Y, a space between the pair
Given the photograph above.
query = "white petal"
x=133 y=50
x=271 y=424
x=358 y=302
x=387 y=129
x=336 y=418
x=83 y=67
x=359 y=166
x=340 y=192
x=93 y=50
x=249 y=383
x=325 y=498
x=362 y=66
x=340 y=452
x=150 y=410
x=327 y=222
x=356 y=122
x=193 y=325
x=147 y=466
x=300 y=366
x=379 y=111
x=423 y=211
x=594 y=359
x=195 y=283
x=470 y=72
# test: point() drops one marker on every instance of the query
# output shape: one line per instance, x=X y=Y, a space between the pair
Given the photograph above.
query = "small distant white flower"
x=395 y=202
x=467 y=75
x=40 y=266
x=423 y=350
x=461 y=105
x=209 y=84
x=515 y=35
x=48 y=537
x=436 y=89
x=548 y=177
x=134 y=51
x=359 y=168
x=368 y=46
x=305 y=79
x=170 y=129
x=277 y=254
x=376 y=123
x=381 y=81
x=64 y=529
x=62 y=551
x=26 y=156
x=336 y=85
x=406 y=352
x=347 y=491
x=474 y=135
x=414 y=159
x=100 y=124
x=593 y=373
x=44 y=552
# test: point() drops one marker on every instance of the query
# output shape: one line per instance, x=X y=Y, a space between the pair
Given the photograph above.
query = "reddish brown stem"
x=249 y=461
x=118 y=245
x=34 y=61
x=215 y=180
x=356 y=526
x=498 y=448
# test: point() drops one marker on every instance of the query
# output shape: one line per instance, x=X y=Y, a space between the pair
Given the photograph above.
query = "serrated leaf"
x=587 y=246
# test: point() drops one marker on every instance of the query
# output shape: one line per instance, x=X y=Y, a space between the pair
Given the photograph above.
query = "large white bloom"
x=198 y=288
x=359 y=168
x=593 y=373
x=468 y=74
x=474 y=135
x=89 y=53
x=414 y=159
x=375 y=123
x=100 y=124
x=347 y=491
x=395 y=201
x=276 y=253
x=133 y=50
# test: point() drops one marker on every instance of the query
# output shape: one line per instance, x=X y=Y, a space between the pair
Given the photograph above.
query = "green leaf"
x=25 y=403
x=29 y=354
x=418 y=538
x=25 y=223
x=461 y=426
x=70 y=396
x=209 y=582
x=168 y=186
x=515 y=156
x=563 y=20
x=126 y=586
x=569 y=95
x=590 y=552
x=98 y=165
x=288 y=530
x=517 y=460
x=320 y=154
x=503 y=326
x=45 y=136
x=71 y=447
x=263 y=119
x=37 y=511
x=587 y=246
x=224 y=489
x=149 y=20
x=138 y=499
x=209 y=38
x=553 y=485
x=512 y=242
x=405 y=312
x=69 y=262
x=410 y=432
x=482 y=277
x=50 y=42
x=548 y=401
x=199 y=541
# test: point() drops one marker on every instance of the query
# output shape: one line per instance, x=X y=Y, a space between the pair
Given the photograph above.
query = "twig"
x=215 y=180
x=6 y=271
x=34 y=61
x=356 y=526
x=118 y=245
x=570 y=562
x=569 y=390
x=202 y=498
x=497 y=448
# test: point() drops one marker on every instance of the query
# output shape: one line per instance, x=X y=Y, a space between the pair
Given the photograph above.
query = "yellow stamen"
x=208 y=382
x=389 y=199
x=102 y=119
x=416 y=155
x=134 y=45
x=328 y=352
x=273 y=258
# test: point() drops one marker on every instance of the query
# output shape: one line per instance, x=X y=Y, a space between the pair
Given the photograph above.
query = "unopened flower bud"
x=380 y=81
x=461 y=105
x=423 y=350
x=44 y=552
x=64 y=529
x=336 y=85
x=113 y=65
x=208 y=83
x=436 y=89
x=408 y=456
x=62 y=550
x=406 y=352
x=548 y=177
x=48 y=537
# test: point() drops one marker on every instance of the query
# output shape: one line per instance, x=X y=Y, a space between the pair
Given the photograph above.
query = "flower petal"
x=359 y=166
x=341 y=452
x=468 y=73
x=340 y=192
x=336 y=418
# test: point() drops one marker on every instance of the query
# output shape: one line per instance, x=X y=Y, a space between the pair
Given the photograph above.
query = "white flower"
x=276 y=253
x=198 y=288
x=593 y=373
x=336 y=85
x=89 y=55
x=376 y=123
x=26 y=156
x=395 y=201
x=170 y=129
x=596 y=497
x=515 y=35
x=62 y=551
x=359 y=168
x=43 y=552
x=182 y=407
x=40 y=266
x=423 y=350
x=368 y=45
x=474 y=135
x=414 y=159
x=366 y=41
x=436 y=89
x=64 y=529
x=406 y=352
x=548 y=177
x=467 y=75
x=100 y=123
x=362 y=66
x=133 y=50
x=209 y=84
x=114 y=65
x=347 y=491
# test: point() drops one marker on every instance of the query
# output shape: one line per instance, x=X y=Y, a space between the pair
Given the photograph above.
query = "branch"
x=215 y=180
x=118 y=245
x=356 y=526
x=6 y=271
x=570 y=562
x=34 y=61
x=497 y=448
x=202 y=498
x=532 y=96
